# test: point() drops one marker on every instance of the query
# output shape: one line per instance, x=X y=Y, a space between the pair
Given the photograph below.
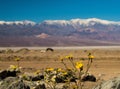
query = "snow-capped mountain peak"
x=106 y=22
x=85 y=22
x=56 y=22
x=72 y=22
x=25 y=22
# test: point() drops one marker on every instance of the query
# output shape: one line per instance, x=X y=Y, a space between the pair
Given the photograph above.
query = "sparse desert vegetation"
x=32 y=64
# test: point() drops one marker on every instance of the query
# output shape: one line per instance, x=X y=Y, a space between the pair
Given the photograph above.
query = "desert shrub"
x=76 y=74
x=2 y=51
x=9 y=51
x=23 y=50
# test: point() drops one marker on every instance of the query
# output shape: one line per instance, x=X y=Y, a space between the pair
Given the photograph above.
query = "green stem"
x=18 y=63
x=72 y=64
x=88 y=66
x=79 y=82
x=65 y=65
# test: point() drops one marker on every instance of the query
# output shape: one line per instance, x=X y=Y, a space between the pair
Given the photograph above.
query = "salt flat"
x=69 y=47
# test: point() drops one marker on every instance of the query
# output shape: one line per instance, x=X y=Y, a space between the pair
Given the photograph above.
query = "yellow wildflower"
x=50 y=69
x=37 y=72
x=61 y=58
x=17 y=59
x=59 y=69
x=69 y=57
x=79 y=65
x=91 y=57
x=64 y=73
x=13 y=67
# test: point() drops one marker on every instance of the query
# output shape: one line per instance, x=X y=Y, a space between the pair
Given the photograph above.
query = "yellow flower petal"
x=79 y=65
x=91 y=57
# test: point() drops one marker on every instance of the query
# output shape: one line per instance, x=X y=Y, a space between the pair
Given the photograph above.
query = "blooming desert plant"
x=71 y=77
x=78 y=70
x=17 y=59
x=14 y=68
x=58 y=75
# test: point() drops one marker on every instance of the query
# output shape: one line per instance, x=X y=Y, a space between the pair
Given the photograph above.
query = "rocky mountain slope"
x=75 y=32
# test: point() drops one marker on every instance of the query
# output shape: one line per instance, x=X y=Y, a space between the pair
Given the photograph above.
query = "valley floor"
x=106 y=64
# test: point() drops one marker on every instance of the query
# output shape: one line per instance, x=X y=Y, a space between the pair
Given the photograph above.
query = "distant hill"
x=75 y=32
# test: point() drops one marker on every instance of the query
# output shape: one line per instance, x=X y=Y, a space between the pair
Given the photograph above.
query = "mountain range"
x=74 y=32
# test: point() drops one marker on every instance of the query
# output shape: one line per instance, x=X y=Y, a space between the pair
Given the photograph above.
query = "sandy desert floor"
x=106 y=64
